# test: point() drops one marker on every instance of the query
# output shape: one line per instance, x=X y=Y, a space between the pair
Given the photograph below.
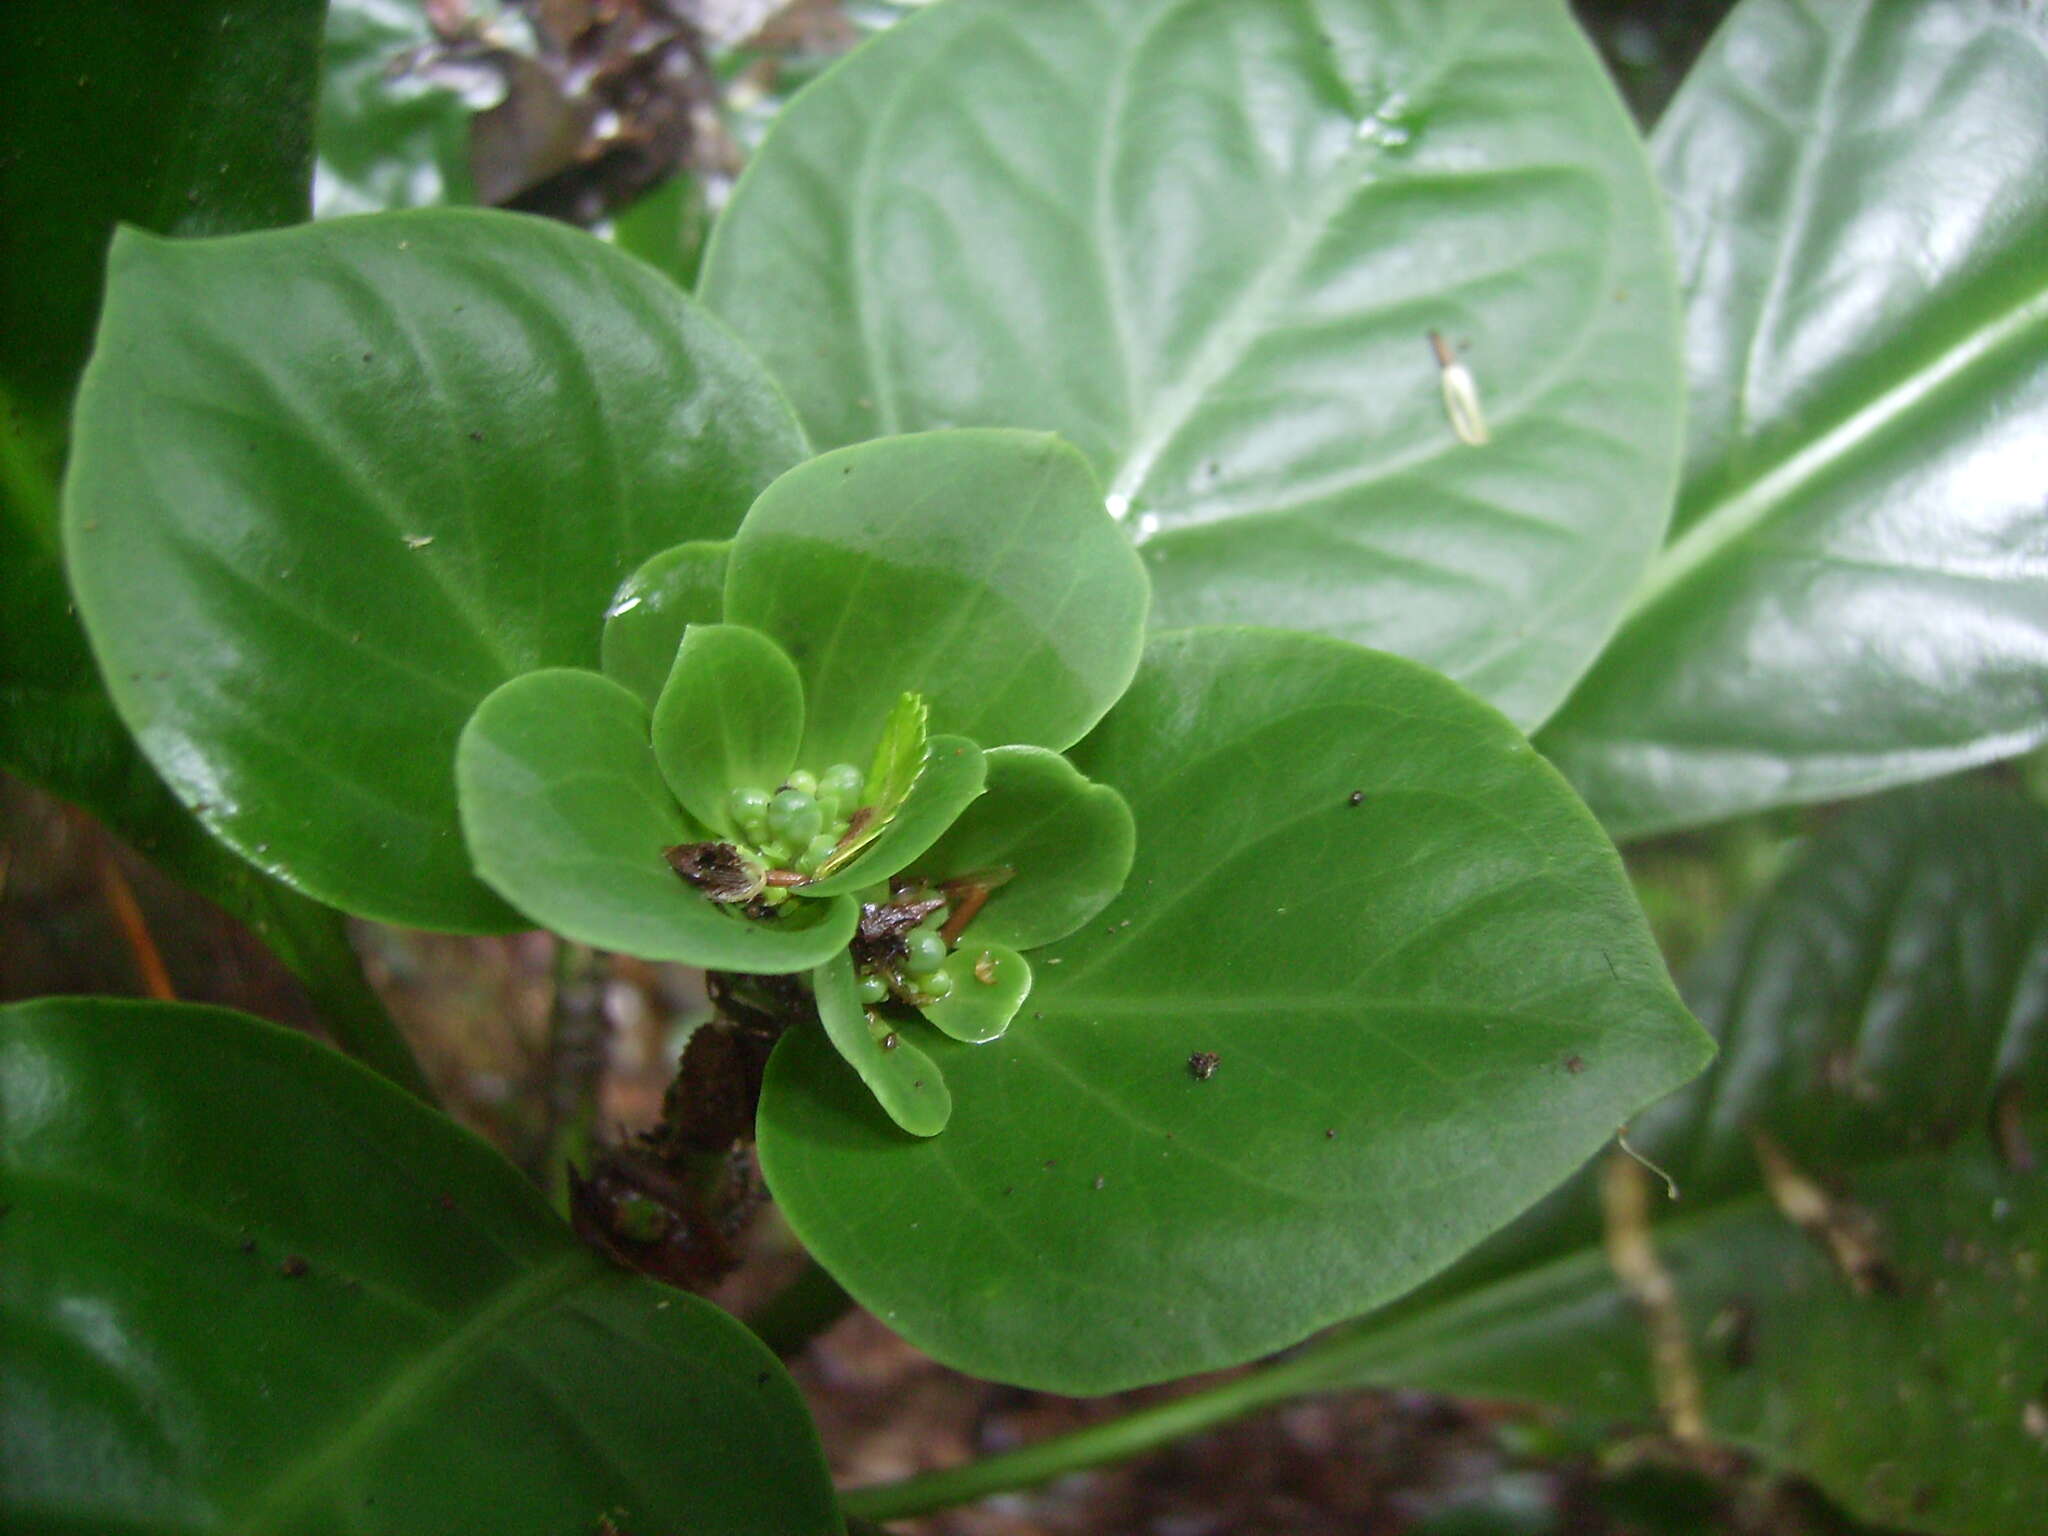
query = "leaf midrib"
x=412 y=1383
x=1753 y=504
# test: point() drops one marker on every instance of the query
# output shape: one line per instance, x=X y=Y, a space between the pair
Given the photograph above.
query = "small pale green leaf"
x=730 y=718
x=250 y=1287
x=990 y=983
x=1206 y=241
x=903 y=1079
x=567 y=816
x=1067 y=843
x=950 y=780
x=643 y=627
x=1398 y=991
x=978 y=569
x=365 y=471
x=1856 y=593
x=899 y=755
x=1882 y=1018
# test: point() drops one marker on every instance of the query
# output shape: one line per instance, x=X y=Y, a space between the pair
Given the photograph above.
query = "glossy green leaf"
x=1857 y=590
x=905 y=1082
x=643 y=627
x=1207 y=245
x=1392 y=988
x=387 y=135
x=948 y=783
x=333 y=485
x=990 y=983
x=1882 y=1017
x=1067 y=844
x=730 y=718
x=975 y=568
x=567 y=816
x=250 y=1287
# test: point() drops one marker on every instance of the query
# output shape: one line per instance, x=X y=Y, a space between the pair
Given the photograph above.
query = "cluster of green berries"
x=801 y=825
x=920 y=976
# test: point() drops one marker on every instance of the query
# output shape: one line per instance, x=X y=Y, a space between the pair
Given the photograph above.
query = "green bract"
x=777 y=807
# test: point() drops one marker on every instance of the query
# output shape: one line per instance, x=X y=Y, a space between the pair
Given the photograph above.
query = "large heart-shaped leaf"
x=1396 y=930
x=975 y=568
x=1883 y=1022
x=1207 y=241
x=1857 y=589
x=249 y=1287
x=334 y=485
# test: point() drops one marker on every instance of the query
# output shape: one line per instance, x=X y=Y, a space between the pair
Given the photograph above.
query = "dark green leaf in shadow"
x=990 y=983
x=1882 y=1020
x=905 y=1082
x=1856 y=593
x=730 y=718
x=643 y=627
x=567 y=816
x=389 y=135
x=366 y=471
x=1396 y=929
x=251 y=1287
x=186 y=119
x=948 y=783
x=1207 y=244
x=1066 y=843
x=975 y=568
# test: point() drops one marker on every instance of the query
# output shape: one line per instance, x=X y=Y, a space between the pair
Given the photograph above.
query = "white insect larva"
x=1461 y=394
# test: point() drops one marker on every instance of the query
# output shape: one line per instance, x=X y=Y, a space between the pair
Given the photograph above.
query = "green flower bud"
x=794 y=818
x=927 y=952
x=749 y=810
x=813 y=858
x=803 y=783
x=871 y=988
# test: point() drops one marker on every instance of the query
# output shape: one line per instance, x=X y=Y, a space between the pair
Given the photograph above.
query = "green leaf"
x=905 y=1082
x=975 y=568
x=643 y=627
x=353 y=1316
x=947 y=784
x=1412 y=973
x=388 y=136
x=990 y=983
x=1856 y=594
x=1207 y=245
x=364 y=472
x=730 y=718
x=900 y=754
x=567 y=816
x=1067 y=842
x=1880 y=1014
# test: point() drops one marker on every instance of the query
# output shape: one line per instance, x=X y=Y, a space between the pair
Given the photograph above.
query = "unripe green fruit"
x=871 y=988
x=794 y=818
x=926 y=953
x=802 y=782
x=749 y=810
x=935 y=986
x=813 y=858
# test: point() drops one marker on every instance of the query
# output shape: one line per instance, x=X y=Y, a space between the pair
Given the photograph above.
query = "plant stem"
x=1319 y=1368
x=800 y=1311
x=575 y=1063
x=313 y=941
